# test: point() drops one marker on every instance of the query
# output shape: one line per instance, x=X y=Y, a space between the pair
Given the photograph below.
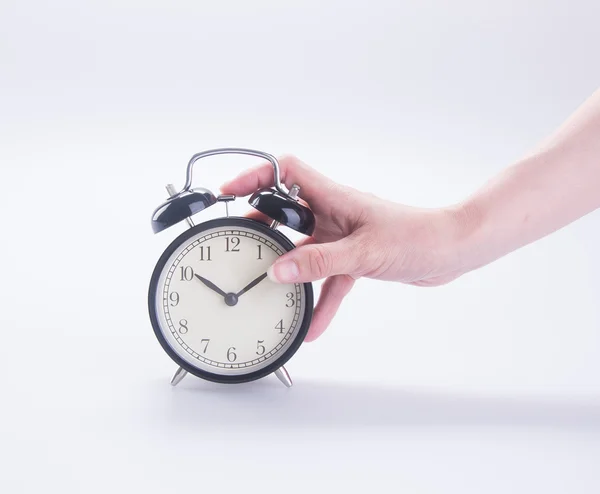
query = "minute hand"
x=251 y=285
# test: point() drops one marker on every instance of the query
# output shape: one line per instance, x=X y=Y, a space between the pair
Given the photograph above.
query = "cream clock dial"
x=215 y=311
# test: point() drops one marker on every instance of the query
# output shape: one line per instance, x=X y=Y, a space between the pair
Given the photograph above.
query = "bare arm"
x=360 y=235
x=545 y=191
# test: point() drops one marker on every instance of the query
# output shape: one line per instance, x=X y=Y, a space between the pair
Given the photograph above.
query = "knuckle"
x=288 y=158
x=288 y=162
x=340 y=191
x=289 y=165
x=320 y=261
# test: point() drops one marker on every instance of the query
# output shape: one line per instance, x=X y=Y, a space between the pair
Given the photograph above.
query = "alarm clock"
x=212 y=307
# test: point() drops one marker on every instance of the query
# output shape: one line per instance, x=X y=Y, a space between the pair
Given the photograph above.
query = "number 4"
x=279 y=326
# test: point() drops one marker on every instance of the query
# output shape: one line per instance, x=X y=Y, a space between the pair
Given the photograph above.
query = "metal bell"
x=180 y=207
x=284 y=209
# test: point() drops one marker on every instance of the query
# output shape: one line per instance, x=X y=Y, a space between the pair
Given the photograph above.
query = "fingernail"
x=283 y=272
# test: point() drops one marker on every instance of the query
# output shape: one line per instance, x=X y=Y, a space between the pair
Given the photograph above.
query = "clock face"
x=215 y=311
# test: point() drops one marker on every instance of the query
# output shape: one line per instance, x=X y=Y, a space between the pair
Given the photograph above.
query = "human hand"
x=357 y=235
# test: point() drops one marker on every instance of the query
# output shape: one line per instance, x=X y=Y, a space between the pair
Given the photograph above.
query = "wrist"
x=466 y=219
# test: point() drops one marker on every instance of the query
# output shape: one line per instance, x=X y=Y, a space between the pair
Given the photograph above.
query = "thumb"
x=313 y=262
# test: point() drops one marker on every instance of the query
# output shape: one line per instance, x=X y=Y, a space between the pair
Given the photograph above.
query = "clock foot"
x=179 y=375
x=284 y=377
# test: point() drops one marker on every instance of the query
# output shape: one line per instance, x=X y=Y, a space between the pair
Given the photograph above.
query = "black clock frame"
x=275 y=235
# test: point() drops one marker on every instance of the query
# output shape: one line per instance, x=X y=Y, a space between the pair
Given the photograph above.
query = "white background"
x=489 y=384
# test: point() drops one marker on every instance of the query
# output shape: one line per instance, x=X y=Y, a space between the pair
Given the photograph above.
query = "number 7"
x=205 y=346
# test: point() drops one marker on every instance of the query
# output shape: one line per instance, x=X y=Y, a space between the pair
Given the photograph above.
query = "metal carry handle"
x=250 y=152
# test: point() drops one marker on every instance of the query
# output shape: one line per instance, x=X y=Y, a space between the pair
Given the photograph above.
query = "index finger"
x=293 y=171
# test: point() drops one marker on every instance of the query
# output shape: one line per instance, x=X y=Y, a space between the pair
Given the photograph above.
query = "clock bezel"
x=263 y=229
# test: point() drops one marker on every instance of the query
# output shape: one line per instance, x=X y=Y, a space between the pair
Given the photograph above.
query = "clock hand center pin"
x=231 y=299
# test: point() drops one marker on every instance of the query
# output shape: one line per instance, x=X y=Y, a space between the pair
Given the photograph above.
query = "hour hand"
x=252 y=284
x=211 y=285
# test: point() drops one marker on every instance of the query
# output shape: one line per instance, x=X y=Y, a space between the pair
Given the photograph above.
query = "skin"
x=360 y=235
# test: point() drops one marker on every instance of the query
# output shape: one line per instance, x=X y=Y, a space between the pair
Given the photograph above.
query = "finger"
x=305 y=241
x=293 y=171
x=250 y=180
x=314 y=262
x=333 y=292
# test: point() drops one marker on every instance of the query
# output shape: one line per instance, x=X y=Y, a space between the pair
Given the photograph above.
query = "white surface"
x=489 y=384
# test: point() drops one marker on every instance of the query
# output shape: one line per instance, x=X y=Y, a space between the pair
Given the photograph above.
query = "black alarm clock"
x=212 y=307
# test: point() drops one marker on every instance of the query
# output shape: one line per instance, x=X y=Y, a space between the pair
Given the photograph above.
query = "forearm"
x=545 y=191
